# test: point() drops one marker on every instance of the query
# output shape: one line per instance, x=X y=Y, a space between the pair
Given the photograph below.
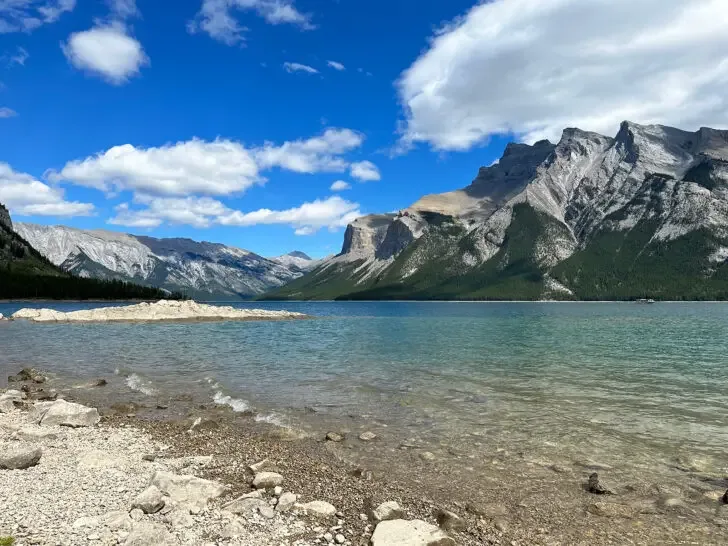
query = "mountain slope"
x=643 y=214
x=200 y=270
x=25 y=273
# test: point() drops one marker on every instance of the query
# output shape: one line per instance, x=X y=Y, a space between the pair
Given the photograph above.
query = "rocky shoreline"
x=161 y=311
x=75 y=476
x=103 y=470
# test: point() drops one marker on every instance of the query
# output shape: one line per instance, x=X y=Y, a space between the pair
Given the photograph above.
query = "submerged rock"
x=367 y=436
x=334 y=437
x=19 y=458
x=409 y=533
x=596 y=487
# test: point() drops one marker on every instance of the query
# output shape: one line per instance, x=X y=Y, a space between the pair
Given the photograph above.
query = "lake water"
x=636 y=387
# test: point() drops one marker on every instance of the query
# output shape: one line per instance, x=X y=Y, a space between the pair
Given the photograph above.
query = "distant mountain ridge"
x=643 y=214
x=201 y=270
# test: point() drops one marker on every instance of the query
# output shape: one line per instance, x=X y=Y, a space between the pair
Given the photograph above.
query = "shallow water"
x=629 y=385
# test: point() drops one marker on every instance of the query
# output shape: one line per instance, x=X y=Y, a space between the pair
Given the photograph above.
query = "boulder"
x=26 y=374
x=387 y=511
x=67 y=414
x=399 y=532
x=317 y=509
x=149 y=501
x=15 y=458
x=267 y=480
x=187 y=489
x=149 y=534
x=286 y=502
x=450 y=521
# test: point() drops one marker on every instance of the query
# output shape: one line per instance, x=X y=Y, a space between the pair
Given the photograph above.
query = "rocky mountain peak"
x=5 y=218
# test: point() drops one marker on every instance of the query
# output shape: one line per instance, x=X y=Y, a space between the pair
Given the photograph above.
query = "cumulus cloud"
x=298 y=67
x=107 y=51
x=318 y=154
x=336 y=66
x=365 y=171
x=216 y=17
x=340 y=185
x=533 y=67
x=220 y=167
x=202 y=212
x=26 y=196
x=27 y=15
x=6 y=112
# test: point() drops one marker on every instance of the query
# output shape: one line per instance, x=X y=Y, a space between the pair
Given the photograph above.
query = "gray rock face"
x=400 y=532
x=5 y=218
x=19 y=458
x=364 y=235
x=66 y=414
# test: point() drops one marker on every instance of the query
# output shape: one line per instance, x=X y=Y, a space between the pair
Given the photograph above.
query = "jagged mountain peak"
x=592 y=214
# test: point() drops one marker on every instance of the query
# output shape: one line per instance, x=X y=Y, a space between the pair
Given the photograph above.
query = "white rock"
x=149 y=501
x=267 y=480
x=260 y=466
x=266 y=511
x=136 y=514
x=6 y=405
x=118 y=520
x=278 y=491
x=340 y=539
x=86 y=521
x=187 y=489
x=367 y=436
x=233 y=529
x=67 y=414
x=400 y=532
x=19 y=458
x=387 y=511
x=318 y=509
x=8 y=399
x=149 y=534
x=286 y=502
x=244 y=505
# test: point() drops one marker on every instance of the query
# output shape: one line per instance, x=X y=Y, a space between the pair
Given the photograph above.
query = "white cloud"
x=216 y=19
x=340 y=185
x=306 y=219
x=201 y=212
x=19 y=57
x=365 y=171
x=123 y=9
x=336 y=66
x=220 y=167
x=107 y=51
x=6 y=112
x=318 y=154
x=26 y=196
x=533 y=67
x=298 y=67
x=27 y=15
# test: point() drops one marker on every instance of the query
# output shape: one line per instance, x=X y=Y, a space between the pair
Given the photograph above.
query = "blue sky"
x=229 y=120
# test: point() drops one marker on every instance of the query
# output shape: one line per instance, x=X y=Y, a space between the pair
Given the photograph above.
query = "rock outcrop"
x=164 y=310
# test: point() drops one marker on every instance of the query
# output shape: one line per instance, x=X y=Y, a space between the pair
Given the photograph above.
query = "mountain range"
x=641 y=215
x=201 y=270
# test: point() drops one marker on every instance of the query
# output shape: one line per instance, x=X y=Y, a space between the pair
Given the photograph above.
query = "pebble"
x=427 y=456
x=367 y=436
x=278 y=491
x=340 y=539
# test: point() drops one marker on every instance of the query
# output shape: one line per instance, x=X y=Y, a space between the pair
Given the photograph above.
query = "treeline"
x=24 y=286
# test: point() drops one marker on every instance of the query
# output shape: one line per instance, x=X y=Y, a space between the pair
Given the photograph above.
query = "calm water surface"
x=612 y=381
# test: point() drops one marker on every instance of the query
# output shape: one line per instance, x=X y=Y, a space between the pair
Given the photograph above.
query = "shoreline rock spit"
x=163 y=310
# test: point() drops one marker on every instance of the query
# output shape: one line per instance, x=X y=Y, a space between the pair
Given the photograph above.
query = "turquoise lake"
x=623 y=383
